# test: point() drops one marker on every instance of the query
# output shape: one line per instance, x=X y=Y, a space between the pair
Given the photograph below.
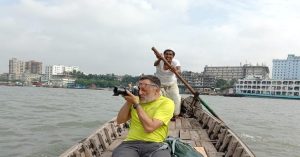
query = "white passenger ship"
x=268 y=88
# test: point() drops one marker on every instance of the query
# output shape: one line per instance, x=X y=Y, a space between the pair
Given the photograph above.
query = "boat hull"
x=211 y=136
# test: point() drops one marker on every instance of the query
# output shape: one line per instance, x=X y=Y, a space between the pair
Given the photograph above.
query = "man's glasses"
x=146 y=85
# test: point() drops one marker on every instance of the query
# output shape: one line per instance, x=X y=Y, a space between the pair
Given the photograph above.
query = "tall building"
x=198 y=79
x=16 y=68
x=236 y=72
x=34 y=67
x=286 y=69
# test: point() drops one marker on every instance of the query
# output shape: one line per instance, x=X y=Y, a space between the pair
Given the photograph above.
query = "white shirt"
x=166 y=77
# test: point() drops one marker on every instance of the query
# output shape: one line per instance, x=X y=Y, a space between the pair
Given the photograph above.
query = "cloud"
x=116 y=36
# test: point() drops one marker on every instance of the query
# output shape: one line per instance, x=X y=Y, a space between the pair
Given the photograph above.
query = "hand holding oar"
x=196 y=94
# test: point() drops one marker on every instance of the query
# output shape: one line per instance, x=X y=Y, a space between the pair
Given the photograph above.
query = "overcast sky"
x=116 y=36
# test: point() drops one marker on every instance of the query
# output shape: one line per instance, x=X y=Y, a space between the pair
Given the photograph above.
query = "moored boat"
x=256 y=87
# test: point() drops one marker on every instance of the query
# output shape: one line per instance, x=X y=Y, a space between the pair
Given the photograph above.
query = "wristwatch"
x=135 y=105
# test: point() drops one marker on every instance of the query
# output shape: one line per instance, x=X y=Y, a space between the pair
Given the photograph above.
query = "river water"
x=44 y=122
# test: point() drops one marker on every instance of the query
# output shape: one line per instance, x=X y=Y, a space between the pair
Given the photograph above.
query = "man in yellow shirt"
x=149 y=116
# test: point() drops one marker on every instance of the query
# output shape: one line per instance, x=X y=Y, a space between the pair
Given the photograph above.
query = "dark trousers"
x=141 y=149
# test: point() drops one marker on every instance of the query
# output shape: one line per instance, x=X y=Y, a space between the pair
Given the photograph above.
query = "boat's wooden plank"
x=245 y=154
x=97 y=147
x=114 y=144
x=103 y=140
x=194 y=123
x=109 y=134
x=203 y=135
x=172 y=125
x=198 y=114
x=174 y=133
x=107 y=154
x=225 y=142
x=201 y=150
x=184 y=134
x=77 y=153
x=205 y=120
x=215 y=132
x=178 y=123
x=215 y=154
x=190 y=142
x=185 y=123
x=211 y=126
x=231 y=147
x=221 y=137
x=209 y=147
x=194 y=135
x=87 y=151
x=238 y=151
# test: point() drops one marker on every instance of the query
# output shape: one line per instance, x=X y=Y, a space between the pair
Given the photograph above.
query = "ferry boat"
x=268 y=88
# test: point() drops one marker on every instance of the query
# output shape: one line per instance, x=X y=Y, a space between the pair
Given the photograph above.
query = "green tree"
x=223 y=84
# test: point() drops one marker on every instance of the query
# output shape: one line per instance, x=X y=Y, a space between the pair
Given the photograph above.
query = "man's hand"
x=131 y=99
x=159 y=56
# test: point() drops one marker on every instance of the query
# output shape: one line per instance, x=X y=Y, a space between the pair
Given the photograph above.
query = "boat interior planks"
x=196 y=126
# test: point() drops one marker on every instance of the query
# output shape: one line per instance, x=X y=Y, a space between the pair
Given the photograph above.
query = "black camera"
x=122 y=91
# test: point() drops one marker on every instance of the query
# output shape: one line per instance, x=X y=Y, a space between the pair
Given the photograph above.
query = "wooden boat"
x=196 y=126
x=202 y=130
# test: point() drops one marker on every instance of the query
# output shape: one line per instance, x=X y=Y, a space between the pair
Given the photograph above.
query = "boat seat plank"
x=174 y=133
x=190 y=142
x=178 y=123
x=195 y=136
x=184 y=134
x=172 y=125
x=209 y=147
x=185 y=123
x=203 y=135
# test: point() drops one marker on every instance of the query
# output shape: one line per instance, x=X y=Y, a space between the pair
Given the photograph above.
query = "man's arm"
x=156 y=63
x=149 y=124
x=124 y=113
x=178 y=68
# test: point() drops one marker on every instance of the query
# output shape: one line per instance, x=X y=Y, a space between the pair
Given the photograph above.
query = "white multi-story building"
x=286 y=69
x=58 y=70
x=71 y=68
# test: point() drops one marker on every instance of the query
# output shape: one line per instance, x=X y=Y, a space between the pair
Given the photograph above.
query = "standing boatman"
x=169 y=87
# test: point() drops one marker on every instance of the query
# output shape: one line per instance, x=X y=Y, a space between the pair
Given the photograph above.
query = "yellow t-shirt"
x=161 y=109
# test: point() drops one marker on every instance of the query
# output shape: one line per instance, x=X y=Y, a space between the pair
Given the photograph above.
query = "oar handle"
x=175 y=72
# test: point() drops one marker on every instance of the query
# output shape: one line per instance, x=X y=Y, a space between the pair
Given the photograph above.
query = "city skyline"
x=117 y=36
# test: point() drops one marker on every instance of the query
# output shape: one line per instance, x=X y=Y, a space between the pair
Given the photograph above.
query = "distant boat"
x=233 y=95
x=208 y=134
x=288 y=89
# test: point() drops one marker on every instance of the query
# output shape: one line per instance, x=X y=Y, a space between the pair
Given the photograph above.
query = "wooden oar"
x=195 y=93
